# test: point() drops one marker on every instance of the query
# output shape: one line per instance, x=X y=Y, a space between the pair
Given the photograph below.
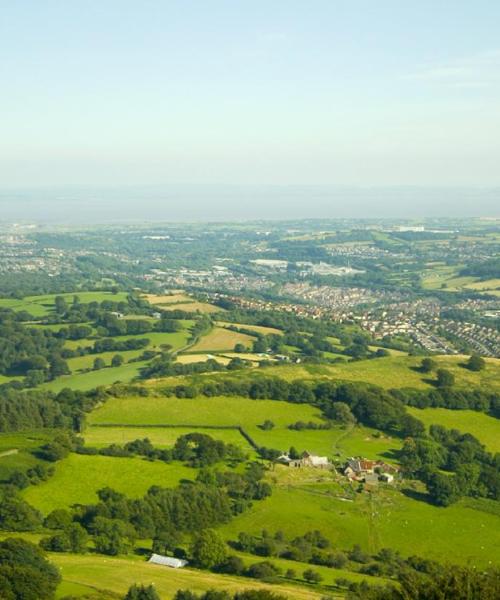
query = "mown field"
x=485 y=428
x=78 y=477
x=118 y=574
x=220 y=339
x=201 y=307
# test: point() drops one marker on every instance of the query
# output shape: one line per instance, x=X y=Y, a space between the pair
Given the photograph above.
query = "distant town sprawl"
x=432 y=284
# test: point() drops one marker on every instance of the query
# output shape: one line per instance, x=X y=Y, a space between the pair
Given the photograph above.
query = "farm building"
x=167 y=561
x=362 y=469
x=306 y=460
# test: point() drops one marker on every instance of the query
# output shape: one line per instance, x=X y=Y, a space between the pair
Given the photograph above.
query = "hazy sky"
x=373 y=92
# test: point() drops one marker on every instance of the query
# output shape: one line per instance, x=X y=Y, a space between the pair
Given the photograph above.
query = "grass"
x=329 y=574
x=92 y=379
x=488 y=284
x=257 y=328
x=395 y=372
x=464 y=532
x=250 y=414
x=220 y=339
x=118 y=574
x=79 y=477
x=188 y=359
x=217 y=411
x=485 y=428
x=80 y=363
x=202 y=307
x=161 y=437
x=16 y=450
x=168 y=298
x=41 y=306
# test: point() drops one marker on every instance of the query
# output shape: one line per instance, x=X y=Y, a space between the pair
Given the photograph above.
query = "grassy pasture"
x=338 y=443
x=220 y=339
x=395 y=372
x=79 y=477
x=41 y=306
x=488 y=284
x=118 y=574
x=161 y=437
x=80 y=363
x=217 y=411
x=16 y=450
x=92 y=379
x=329 y=574
x=464 y=532
x=485 y=428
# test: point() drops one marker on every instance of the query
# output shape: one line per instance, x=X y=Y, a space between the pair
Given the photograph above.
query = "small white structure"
x=168 y=561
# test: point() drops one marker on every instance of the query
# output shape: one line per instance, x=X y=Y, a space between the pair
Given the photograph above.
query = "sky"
x=347 y=94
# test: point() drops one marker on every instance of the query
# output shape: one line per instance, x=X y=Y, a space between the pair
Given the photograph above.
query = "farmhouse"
x=362 y=469
x=167 y=561
x=306 y=460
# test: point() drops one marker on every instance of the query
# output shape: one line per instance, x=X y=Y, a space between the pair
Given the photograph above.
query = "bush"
x=312 y=576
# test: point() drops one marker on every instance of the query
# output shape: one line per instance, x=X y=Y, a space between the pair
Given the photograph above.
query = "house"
x=306 y=460
x=361 y=469
x=168 y=561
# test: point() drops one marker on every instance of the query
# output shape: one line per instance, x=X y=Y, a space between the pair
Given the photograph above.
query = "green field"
x=118 y=574
x=249 y=414
x=161 y=437
x=485 y=428
x=16 y=450
x=86 y=361
x=221 y=339
x=464 y=532
x=92 y=379
x=41 y=306
x=79 y=477
x=217 y=411
x=395 y=372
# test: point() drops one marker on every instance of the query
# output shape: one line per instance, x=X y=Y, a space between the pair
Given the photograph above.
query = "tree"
x=233 y=565
x=267 y=425
x=259 y=595
x=60 y=305
x=117 y=360
x=476 y=363
x=59 y=518
x=312 y=576
x=98 y=363
x=341 y=412
x=17 y=515
x=141 y=592
x=208 y=549
x=25 y=573
x=263 y=570
x=112 y=536
x=443 y=489
x=239 y=348
x=445 y=379
x=427 y=365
